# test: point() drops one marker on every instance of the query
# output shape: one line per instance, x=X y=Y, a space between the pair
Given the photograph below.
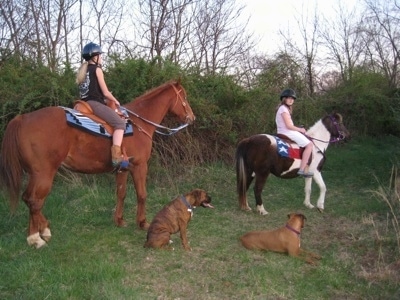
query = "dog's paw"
x=316 y=256
x=186 y=247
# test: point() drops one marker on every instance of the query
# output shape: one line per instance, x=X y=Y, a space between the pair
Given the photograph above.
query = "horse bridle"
x=170 y=131
x=338 y=138
x=341 y=135
x=179 y=97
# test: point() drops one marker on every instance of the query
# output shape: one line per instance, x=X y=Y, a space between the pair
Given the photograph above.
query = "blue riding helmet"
x=91 y=50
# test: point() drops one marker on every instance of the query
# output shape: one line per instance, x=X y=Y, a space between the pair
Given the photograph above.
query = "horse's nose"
x=348 y=135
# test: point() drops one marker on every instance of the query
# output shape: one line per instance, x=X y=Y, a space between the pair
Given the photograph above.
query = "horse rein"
x=332 y=140
x=170 y=131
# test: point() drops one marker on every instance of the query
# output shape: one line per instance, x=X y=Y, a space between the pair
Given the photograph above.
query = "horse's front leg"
x=322 y=190
x=307 y=191
x=121 y=179
x=139 y=175
x=258 y=188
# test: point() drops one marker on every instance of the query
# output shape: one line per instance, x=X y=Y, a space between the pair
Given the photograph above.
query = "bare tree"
x=202 y=35
x=306 y=50
x=343 y=42
x=382 y=34
x=15 y=24
x=108 y=16
x=37 y=28
x=220 y=41
x=165 y=26
x=53 y=18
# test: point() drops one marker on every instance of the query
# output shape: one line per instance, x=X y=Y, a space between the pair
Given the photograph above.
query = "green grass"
x=89 y=258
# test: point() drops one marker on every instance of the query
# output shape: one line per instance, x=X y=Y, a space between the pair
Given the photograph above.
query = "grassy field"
x=89 y=258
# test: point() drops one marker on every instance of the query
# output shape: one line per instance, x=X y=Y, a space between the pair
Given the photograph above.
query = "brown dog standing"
x=285 y=239
x=175 y=217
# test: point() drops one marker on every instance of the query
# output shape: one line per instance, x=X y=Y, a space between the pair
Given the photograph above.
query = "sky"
x=270 y=16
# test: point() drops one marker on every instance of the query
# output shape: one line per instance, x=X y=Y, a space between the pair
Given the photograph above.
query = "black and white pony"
x=259 y=155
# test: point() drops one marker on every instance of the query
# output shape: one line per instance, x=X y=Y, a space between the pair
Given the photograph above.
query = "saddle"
x=291 y=152
x=86 y=110
x=285 y=138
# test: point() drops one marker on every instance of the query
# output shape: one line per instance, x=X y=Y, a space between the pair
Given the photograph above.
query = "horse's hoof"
x=261 y=210
x=246 y=208
x=46 y=238
x=40 y=244
x=321 y=210
x=35 y=240
x=309 y=205
x=120 y=223
x=46 y=235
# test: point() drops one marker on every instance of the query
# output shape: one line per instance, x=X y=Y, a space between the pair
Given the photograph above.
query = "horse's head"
x=334 y=124
x=181 y=107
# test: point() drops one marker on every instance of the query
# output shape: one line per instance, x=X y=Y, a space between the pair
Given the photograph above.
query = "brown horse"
x=40 y=142
x=262 y=154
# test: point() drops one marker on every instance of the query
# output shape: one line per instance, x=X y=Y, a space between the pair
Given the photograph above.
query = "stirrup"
x=122 y=165
x=307 y=175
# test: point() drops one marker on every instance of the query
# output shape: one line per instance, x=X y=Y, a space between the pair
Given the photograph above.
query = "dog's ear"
x=303 y=219
x=291 y=215
x=196 y=193
x=300 y=215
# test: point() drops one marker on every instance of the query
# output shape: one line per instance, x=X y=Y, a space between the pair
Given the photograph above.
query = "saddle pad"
x=79 y=120
x=286 y=150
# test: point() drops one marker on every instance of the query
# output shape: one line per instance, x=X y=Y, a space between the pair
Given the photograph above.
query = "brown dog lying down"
x=175 y=217
x=285 y=239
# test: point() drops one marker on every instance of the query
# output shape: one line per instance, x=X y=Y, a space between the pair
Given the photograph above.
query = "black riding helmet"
x=288 y=93
x=91 y=50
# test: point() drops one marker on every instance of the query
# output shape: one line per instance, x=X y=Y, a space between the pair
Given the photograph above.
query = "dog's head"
x=199 y=197
x=297 y=217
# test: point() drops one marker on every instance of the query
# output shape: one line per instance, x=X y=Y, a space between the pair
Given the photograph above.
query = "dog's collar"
x=292 y=229
x=190 y=208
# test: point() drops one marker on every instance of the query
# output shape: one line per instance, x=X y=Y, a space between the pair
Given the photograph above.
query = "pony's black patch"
x=78 y=120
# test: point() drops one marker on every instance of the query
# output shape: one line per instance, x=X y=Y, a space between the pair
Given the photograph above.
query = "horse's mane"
x=155 y=91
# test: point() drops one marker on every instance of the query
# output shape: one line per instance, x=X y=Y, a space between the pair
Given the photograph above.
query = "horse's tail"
x=241 y=173
x=11 y=169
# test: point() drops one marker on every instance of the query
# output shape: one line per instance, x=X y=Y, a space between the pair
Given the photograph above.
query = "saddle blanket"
x=79 y=120
x=286 y=150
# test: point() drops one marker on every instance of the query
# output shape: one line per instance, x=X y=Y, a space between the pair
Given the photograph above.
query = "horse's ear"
x=338 y=117
x=179 y=80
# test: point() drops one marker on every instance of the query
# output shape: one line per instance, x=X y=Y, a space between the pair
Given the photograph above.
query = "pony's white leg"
x=261 y=210
x=35 y=240
x=322 y=190
x=248 y=206
x=307 y=191
x=46 y=234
